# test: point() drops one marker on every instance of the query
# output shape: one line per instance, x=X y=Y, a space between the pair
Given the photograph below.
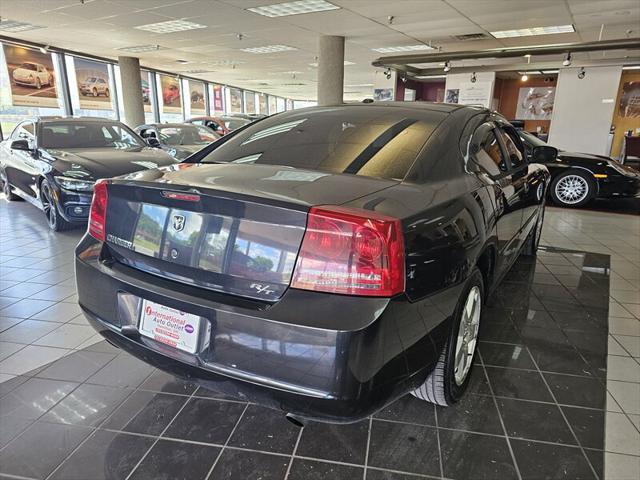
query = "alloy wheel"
x=467 y=335
x=48 y=206
x=572 y=189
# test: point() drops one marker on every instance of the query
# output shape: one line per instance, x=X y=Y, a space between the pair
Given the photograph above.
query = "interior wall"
x=583 y=109
x=457 y=81
x=425 y=91
x=623 y=124
x=506 y=95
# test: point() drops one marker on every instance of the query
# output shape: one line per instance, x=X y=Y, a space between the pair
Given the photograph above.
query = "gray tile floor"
x=62 y=375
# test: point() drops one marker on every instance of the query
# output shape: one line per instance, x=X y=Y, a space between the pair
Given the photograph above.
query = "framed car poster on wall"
x=92 y=82
x=32 y=77
x=196 y=95
x=171 y=101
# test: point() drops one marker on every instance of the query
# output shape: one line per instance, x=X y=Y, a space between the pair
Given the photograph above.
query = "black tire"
x=441 y=387
x=106 y=93
x=94 y=92
x=567 y=189
x=38 y=83
x=533 y=240
x=6 y=189
x=50 y=207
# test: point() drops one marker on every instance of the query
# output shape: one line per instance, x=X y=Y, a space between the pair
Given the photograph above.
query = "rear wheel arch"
x=486 y=263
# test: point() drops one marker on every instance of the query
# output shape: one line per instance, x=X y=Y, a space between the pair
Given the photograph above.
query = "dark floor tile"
x=535 y=319
x=310 y=470
x=145 y=412
x=338 y=443
x=160 y=381
x=596 y=458
x=579 y=391
x=103 y=346
x=503 y=355
x=11 y=427
x=588 y=425
x=122 y=371
x=476 y=413
x=534 y=421
x=104 y=456
x=76 y=367
x=376 y=474
x=552 y=335
x=523 y=384
x=219 y=394
x=34 y=397
x=206 y=420
x=478 y=380
x=169 y=460
x=266 y=430
x=498 y=332
x=540 y=460
x=409 y=409
x=12 y=384
x=559 y=359
x=404 y=448
x=40 y=449
x=468 y=455
x=582 y=321
x=242 y=465
x=88 y=405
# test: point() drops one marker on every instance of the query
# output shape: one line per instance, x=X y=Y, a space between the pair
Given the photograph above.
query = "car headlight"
x=75 y=184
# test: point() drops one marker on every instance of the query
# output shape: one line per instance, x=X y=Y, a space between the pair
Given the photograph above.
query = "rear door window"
x=516 y=156
x=489 y=156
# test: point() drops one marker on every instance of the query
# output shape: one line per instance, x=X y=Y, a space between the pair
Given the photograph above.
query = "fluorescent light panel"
x=293 y=8
x=549 y=72
x=406 y=48
x=170 y=26
x=426 y=77
x=346 y=63
x=632 y=67
x=7 y=25
x=141 y=48
x=528 y=32
x=269 y=49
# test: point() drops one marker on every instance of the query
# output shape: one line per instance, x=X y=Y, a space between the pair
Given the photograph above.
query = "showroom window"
x=216 y=99
x=91 y=87
x=12 y=113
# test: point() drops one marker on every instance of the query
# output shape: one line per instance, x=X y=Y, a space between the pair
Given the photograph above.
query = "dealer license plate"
x=170 y=326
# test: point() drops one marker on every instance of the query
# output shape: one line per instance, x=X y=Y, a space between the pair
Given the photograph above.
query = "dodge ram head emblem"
x=178 y=223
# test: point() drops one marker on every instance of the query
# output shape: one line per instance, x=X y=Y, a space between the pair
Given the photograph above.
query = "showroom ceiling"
x=224 y=41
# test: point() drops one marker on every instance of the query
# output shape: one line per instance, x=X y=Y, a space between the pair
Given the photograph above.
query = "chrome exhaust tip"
x=297 y=421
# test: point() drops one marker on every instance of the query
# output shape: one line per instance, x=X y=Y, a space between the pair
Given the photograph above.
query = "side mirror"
x=153 y=142
x=544 y=154
x=21 y=144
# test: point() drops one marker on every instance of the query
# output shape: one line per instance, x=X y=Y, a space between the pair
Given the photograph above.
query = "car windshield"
x=186 y=135
x=235 y=123
x=380 y=142
x=29 y=66
x=91 y=134
x=90 y=79
x=531 y=139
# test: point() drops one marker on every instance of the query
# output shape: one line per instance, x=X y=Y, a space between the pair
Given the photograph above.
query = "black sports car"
x=177 y=139
x=53 y=163
x=577 y=178
x=324 y=261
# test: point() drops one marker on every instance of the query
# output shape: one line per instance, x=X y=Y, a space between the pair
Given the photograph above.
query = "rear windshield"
x=235 y=123
x=374 y=142
x=94 y=134
x=187 y=135
x=29 y=66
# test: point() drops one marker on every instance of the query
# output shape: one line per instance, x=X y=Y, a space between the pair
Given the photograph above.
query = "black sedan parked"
x=177 y=139
x=323 y=261
x=578 y=178
x=53 y=163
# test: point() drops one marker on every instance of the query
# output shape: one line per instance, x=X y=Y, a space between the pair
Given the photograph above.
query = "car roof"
x=45 y=119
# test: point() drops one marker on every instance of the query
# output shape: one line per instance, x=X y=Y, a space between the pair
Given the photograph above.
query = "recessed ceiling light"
x=225 y=63
x=549 y=72
x=293 y=8
x=141 y=48
x=7 y=25
x=360 y=85
x=193 y=72
x=182 y=61
x=426 y=77
x=268 y=49
x=170 y=26
x=407 y=48
x=527 y=32
x=528 y=73
x=346 y=63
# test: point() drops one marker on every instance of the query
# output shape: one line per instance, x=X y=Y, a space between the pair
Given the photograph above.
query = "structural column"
x=131 y=91
x=330 y=70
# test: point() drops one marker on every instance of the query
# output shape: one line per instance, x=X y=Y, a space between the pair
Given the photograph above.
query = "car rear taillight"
x=98 y=212
x=351 y=251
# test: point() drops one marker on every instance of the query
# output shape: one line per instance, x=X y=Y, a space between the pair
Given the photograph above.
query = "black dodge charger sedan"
x=324 y=261
x=53 y=163
x=578 y=178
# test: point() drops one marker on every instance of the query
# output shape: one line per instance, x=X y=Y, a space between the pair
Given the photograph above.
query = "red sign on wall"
x=218 y=102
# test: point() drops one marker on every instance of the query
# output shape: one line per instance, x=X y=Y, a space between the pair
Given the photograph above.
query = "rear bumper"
x=327 y=357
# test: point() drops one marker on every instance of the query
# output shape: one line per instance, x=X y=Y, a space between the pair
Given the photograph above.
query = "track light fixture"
x=447 y=66
x=581 y=73
x=44 y=49
x=473 y=78
x=567 y=61
x=524 y=77
x=387 y=73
